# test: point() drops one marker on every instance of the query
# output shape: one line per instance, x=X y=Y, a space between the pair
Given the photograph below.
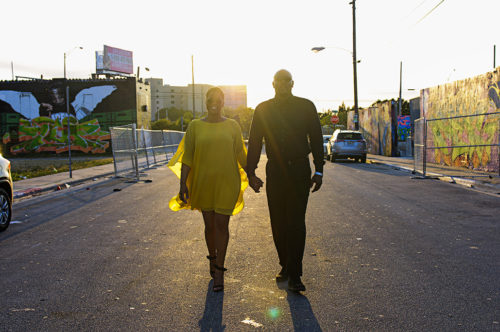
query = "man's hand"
x=183 y=193
x=316 y=180
x=255 y=183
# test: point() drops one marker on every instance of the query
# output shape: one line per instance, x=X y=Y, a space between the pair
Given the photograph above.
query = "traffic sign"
x=335 y=119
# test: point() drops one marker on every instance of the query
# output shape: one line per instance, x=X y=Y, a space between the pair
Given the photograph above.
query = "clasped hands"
x=255 y=183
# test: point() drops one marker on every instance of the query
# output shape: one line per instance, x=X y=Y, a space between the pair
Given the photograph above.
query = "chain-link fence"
x=134 y=149
x=458 y=143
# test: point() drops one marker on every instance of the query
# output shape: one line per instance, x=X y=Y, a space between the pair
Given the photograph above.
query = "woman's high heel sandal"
x=219 y=287
x=212 y=264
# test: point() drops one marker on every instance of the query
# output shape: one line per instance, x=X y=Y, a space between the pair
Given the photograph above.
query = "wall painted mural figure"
x=51 y=102
x=472 y=96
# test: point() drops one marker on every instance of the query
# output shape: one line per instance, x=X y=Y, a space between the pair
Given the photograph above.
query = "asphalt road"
x=384 y=252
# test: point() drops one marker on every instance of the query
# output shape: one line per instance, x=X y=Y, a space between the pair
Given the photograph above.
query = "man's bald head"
x=283 y=83
x=282 y=74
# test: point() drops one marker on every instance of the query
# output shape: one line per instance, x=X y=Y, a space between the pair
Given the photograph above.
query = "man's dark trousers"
x=287 y=188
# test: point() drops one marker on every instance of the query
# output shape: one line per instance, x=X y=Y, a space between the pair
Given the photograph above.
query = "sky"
x=246 y=42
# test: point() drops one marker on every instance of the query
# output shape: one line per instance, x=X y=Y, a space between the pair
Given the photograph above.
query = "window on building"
x=173 y=102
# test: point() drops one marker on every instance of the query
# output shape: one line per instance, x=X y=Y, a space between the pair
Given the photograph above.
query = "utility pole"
x=12 y=69
x=400 y=110
x=69 y=129
x=192 y=81
x=354 y=64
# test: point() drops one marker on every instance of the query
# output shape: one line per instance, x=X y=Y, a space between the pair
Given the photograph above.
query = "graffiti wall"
x=34 y=114
x=404 y=127
x=477 y=95
x=376 y=125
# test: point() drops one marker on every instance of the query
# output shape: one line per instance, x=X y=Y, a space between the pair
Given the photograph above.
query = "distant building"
x=181 y=97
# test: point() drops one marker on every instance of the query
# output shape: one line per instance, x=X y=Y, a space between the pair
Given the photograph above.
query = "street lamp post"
x=67 y=109
x=355 y=62
x=192 y=82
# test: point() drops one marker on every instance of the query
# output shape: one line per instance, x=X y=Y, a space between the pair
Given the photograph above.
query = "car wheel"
x=5 y=210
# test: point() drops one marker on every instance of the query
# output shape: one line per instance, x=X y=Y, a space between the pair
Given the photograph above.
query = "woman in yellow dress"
x=210 y=161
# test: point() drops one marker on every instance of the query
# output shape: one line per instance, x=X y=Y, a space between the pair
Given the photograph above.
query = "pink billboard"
x=117 y=60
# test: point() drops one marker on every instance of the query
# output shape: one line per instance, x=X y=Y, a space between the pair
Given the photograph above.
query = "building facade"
x=164 y=96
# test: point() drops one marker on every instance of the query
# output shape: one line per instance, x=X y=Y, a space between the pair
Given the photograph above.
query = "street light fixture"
x=354 y=62
x=67 y=108
x=66 y=55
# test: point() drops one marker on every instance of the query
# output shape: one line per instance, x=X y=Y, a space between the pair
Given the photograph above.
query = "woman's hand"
x=183 y=193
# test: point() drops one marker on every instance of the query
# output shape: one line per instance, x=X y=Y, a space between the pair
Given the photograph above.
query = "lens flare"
x=273 y=313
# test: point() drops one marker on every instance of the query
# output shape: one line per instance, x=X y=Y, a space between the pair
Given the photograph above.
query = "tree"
x=243 y=115
x=174 y=113
x=162 y=113
x=164 y=124
x=342 y=114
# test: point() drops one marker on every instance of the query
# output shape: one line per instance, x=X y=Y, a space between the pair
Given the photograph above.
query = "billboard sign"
x=117 y=60
x=99 y=62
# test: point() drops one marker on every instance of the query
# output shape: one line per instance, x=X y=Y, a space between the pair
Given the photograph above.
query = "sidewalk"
x=460 y=175
x=60 y=181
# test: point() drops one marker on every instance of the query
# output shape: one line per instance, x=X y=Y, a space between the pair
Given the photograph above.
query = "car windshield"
x=350 y=136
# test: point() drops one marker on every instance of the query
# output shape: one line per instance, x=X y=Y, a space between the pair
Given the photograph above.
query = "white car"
x=326 y=139
x=6 y=194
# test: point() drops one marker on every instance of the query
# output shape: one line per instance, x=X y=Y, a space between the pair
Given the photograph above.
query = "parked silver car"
x=6 y=194
x=347 y=144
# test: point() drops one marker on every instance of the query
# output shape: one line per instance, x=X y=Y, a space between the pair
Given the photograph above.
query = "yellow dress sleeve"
x=175 y=165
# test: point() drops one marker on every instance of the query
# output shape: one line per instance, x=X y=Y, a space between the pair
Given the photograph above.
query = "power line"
x=428 y=13
x=414 y=9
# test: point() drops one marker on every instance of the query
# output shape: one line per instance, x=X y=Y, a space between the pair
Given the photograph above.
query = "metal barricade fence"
x=137 y=149
x=419 y=147
x=470 y=142
x=123 y=144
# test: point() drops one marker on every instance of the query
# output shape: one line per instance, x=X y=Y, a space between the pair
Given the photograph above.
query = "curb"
x=446 y=178
x=55 y=187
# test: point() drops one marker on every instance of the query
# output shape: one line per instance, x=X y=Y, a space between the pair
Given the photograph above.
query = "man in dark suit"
x=291 y=129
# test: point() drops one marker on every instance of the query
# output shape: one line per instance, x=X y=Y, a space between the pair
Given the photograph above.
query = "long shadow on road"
x=302 y=315
x=33 y=212
x=212 y=316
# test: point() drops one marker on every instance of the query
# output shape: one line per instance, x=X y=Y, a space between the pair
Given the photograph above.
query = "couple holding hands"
x=215 y=169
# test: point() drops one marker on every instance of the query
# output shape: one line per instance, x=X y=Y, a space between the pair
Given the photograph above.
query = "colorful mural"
x=404 y=127
x=33 y=113
x=47 y=134
x=477 y=95
x=376 y=125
